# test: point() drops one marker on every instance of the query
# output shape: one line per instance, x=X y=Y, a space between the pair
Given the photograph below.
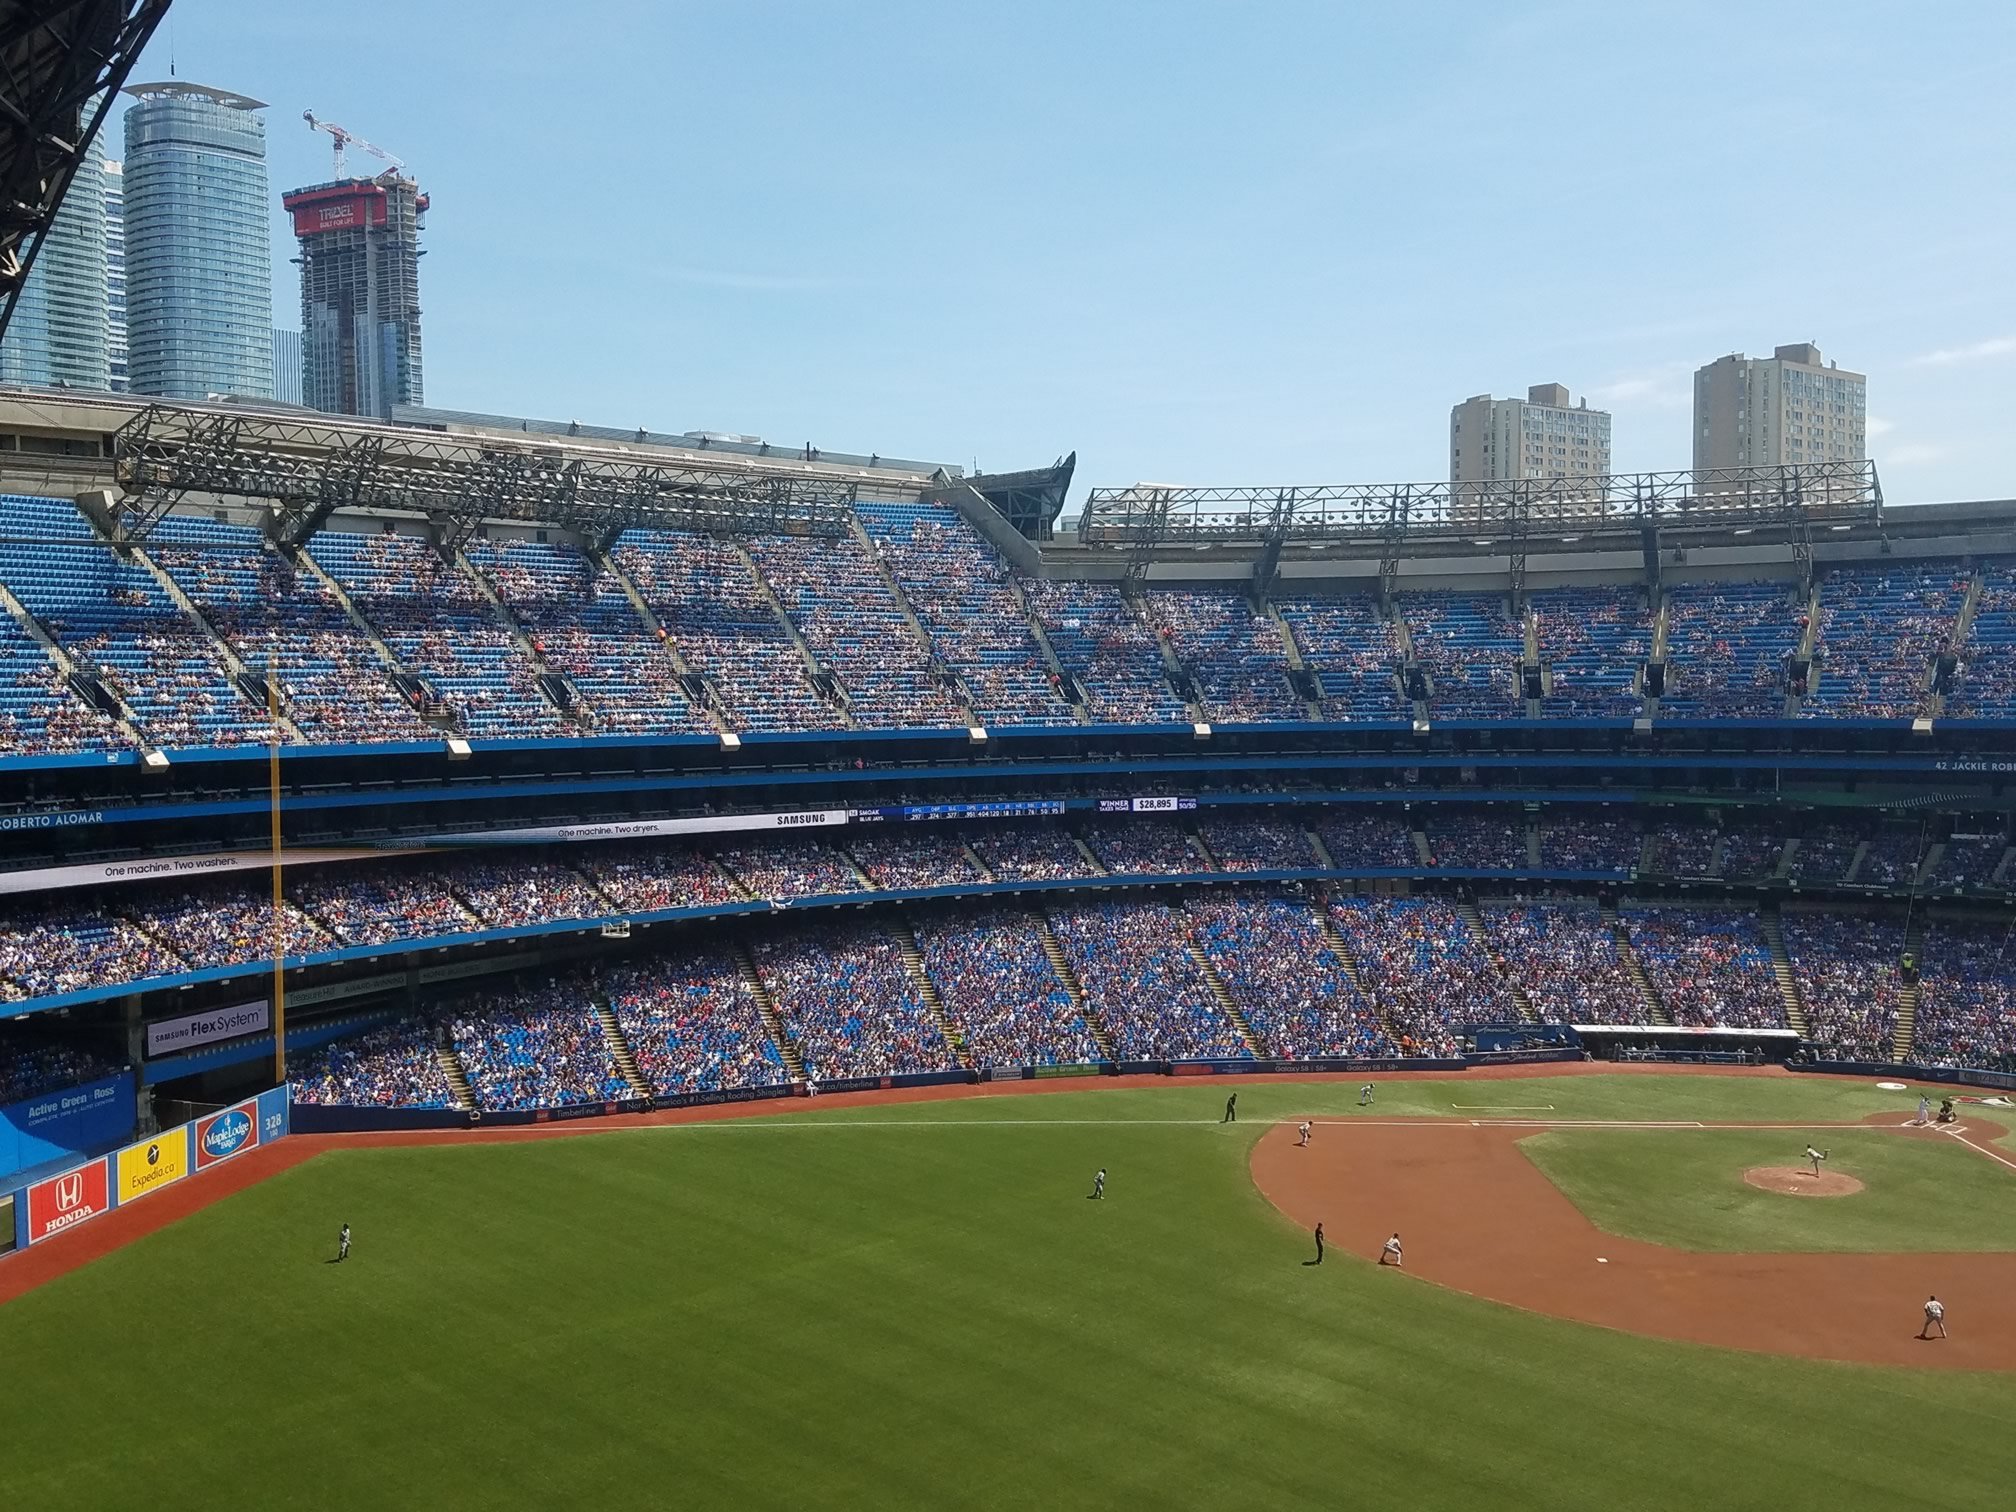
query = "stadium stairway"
x=1855 y=861
x=1073 y=988
x=973 y=859
x=1292 y=653
x=905 y=937
x=827 y=686
x=1098 y=867
x=619 y=1047
x=304 y=562
x=1808 y=639
x=1221 y=994
x=1655 y=1007
x=1908 y=994
x=957 y=684
x=868 y=883
x=766 y=1006
x=1065 y=682
x=1781 y=971
x=458 y=1079
x=1321 y=851
x=1718 y=854
x=66 y=664
x=1474 y=922
x=689 y=679
x=1196 y=841
x=243 y=677
x=1180 y=679
x=1341 y=948
x=1421 y=851
x=575 y=710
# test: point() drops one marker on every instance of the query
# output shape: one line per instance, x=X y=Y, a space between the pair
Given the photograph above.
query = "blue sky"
x=1198 y=243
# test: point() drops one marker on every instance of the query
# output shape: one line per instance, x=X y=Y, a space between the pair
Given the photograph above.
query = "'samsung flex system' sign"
x=191 y=1030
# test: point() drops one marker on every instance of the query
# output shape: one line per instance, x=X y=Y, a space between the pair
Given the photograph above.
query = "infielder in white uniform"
x=1304 y=1140
x=1365 y=1094
x=1389 y=1254
x=1099 y=1183
x=1935 y=1317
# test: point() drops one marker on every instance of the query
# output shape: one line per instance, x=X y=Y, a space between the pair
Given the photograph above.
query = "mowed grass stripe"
x=903 y=1318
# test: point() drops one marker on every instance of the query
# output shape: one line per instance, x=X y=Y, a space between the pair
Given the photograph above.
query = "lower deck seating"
x=1293 y=987
x=1139 y=976
x=998 y=985
x=692 y=1024
x=1565 y=957
x=1710 y=966
x=394 y=1065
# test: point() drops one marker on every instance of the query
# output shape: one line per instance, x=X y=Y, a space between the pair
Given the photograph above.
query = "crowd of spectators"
x=1477 y=840
x=1234 y=655
x=910 y=856
x=1293 y=987
x=1969 y=858
x=31 y=1066
x=646 y=877
x=692 y=1023
x=1471 y=650
x=959 y=588
x=400 y=899
x=55 y=944
x=395 y=1065
x=787 y=869
x=1825 y=852
x=1583 y=840
x=835 y=593
x=1966 y=998
x=1593 y=642
x=223 y=922
x=1250 y=842
x=1892 y=856
x=332 y=682
x=1366 y=838
x=1139 y=975
x=1984 y=684
x=711 y=606
x=1710 y=966
x=1353 y=652
x=1565 y=957
x=1040 y=852
x=1429 y=976
x=1752 y=852
x=1846 y=967
x=1727 y=648
x=1101 y=641
x=511 y=892
x=436 y=621
x=1677 y=848
x=1880 y=628
x=582 y=624
x=537 y=1047
x=999 y=987
x=849 y=1004
x=1138 y=847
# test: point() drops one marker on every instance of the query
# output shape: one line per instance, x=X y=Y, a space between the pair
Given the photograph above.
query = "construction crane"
x=345 y=138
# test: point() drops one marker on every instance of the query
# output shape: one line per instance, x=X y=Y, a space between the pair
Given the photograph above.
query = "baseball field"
x=918 y=1305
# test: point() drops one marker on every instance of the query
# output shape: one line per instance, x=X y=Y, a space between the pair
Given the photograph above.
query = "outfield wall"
x=1961 y=1076
x=65 y=1124
x=43 y=1209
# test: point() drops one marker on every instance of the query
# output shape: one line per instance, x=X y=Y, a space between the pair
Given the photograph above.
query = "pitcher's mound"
x=1799 y=1181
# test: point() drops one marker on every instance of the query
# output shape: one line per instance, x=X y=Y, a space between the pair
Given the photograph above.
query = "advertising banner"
x=151 y=1164
x=66 y=1124
x=210 y=1027
x=639 y=829
x=222 y=1135
x=65 y=1201
x=273 y=1119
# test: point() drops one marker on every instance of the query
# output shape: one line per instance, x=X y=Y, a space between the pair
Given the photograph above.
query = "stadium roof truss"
x=61 y=64
x=309 y=468
x=1382 y=518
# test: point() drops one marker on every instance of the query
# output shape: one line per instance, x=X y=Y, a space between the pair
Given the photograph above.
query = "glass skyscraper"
x=199 y=259
x=58 y=332
x=115 y=277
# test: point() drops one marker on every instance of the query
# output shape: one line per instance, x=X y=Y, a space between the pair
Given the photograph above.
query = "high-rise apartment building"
x=1790 y=407
x=115 y=277
x=1540 y=436
x=58 y=333
x=286 y=366
x=199 y=256
x=360 y=293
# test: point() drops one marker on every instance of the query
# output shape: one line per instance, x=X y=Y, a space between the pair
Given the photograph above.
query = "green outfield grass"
x=916 y=1307
x=1685 y=1188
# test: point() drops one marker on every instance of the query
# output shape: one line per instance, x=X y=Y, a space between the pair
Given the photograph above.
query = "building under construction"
x=360 y=292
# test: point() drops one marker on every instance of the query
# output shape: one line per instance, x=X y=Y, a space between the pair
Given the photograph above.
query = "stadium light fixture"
x=154 y=759
x=458 y=748
x=976 y=735
x=1200 y=731
x=730 y=741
